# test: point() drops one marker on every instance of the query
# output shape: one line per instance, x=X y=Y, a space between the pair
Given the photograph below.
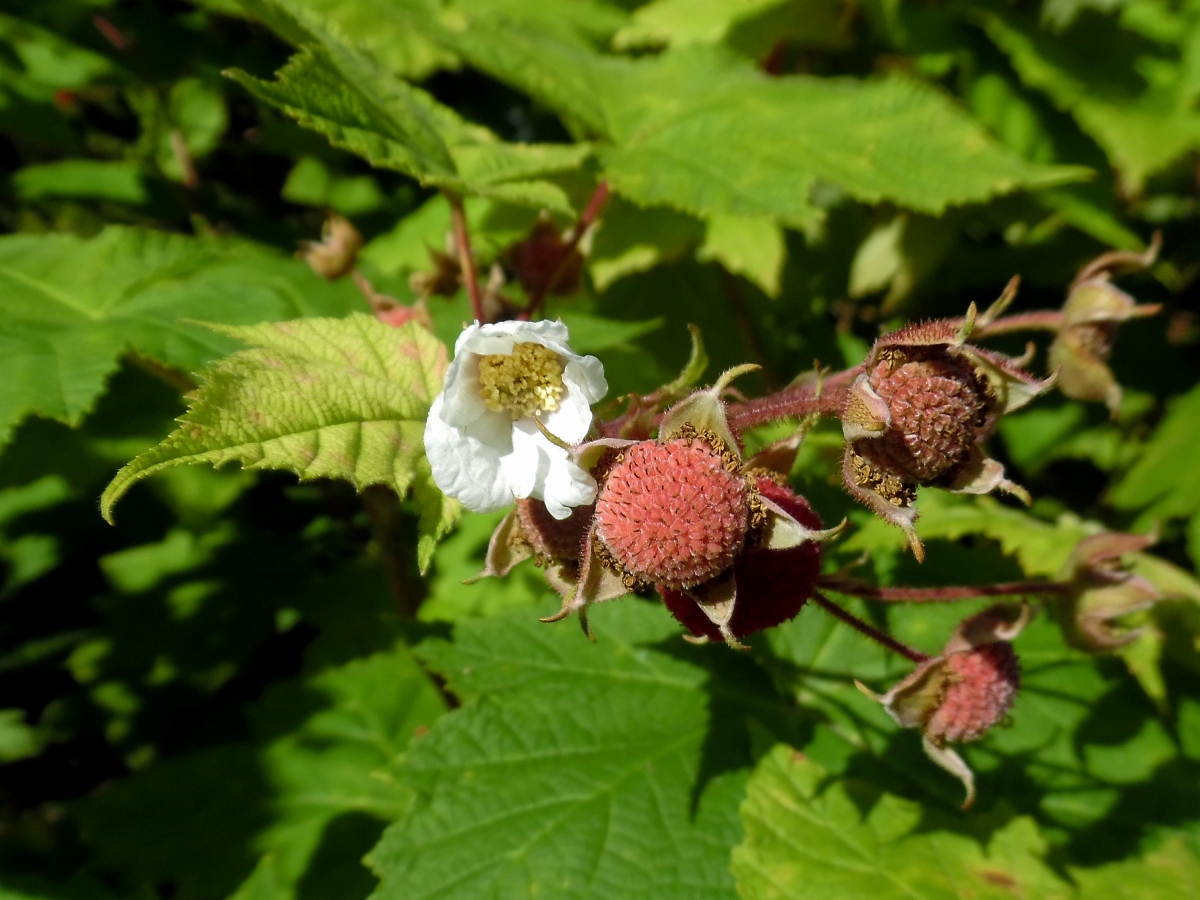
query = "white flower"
x=481 y=437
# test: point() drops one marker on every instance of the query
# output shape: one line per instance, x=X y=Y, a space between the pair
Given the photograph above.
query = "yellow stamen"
x=524 y=383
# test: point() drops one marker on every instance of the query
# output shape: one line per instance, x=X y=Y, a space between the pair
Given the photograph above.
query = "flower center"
x=527 y=381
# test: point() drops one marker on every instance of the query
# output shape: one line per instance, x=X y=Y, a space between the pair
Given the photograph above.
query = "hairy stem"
x=462 y=240
x=880 y=637
x=854 y=588
x=1039 y=320
x=811 y=398
x=590 y=213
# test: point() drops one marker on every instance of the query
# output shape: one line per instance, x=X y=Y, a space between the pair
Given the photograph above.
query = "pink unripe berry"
x=937 y=407
x=772 y=585
x=672 y=512
x=982 y=685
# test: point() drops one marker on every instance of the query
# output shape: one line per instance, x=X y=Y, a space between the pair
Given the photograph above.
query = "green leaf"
x=391 y=32
x=1138 y=107
x=83 y=178
x=397 y=33
x=1040 y=547
x=312 y=183
x=359 y=107
x=680 y=22
x=306 y=792
x=17 y=740
x=1170 y=871
x=460 y=557
x=632 y=239
x=571 y=769
x=323 y=398
x=49 y=60
x=1165 y=480
x=752 y=248
x=71 y=307
x=705 y=132
x=807 y=836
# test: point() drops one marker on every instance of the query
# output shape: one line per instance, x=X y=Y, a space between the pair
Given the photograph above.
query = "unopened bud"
x=1092 y=317
x=337 y=251
x=1102 y=591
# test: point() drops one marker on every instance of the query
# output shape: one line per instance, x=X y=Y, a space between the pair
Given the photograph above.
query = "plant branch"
x=589 y=215
x=383 y=511
x=1039 y=320
x=819 y=397
x=462 y=241
x=880 y=637
x=855 y=588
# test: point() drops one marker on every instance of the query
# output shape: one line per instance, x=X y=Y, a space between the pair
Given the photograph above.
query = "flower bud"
x=1102 y=591
x=337 y=251
x=1092 y=316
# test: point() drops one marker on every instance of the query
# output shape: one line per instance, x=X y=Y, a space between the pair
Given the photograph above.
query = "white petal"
x=566 y=486
x=464 y=403
x=588 y=373
x=525 y=467
x=463 y=466
x=571 y=421
x=467 y=335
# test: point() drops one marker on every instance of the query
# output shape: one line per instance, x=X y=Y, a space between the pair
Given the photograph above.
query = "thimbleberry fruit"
x=673 y=513
x=982 y=684
x=937 y=406
x=772 y=585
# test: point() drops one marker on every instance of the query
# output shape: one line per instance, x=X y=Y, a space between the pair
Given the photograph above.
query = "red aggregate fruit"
x=982 y=684
x=672 y=512
x=937 y=407
x=772 y=585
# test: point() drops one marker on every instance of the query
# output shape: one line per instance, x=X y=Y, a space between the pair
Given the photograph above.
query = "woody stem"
x=811 y=398
x=462 y=240
x=880 y=637
x=853 y=588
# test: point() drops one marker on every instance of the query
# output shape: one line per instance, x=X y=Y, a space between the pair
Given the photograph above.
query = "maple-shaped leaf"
x=300 y=797
x=810 y=836
x=575 y=769
x=1140 y=107
x=361 y=107
x=706 y=132
x=70 y=307
x=323 y=398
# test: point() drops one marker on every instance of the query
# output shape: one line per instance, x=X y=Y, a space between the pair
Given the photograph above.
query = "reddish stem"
x=1039 y=320
x=111 y=32
x=590 y=213
x=802 y=400
x=880 y=637
x=466 y=261
x=854 y=588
